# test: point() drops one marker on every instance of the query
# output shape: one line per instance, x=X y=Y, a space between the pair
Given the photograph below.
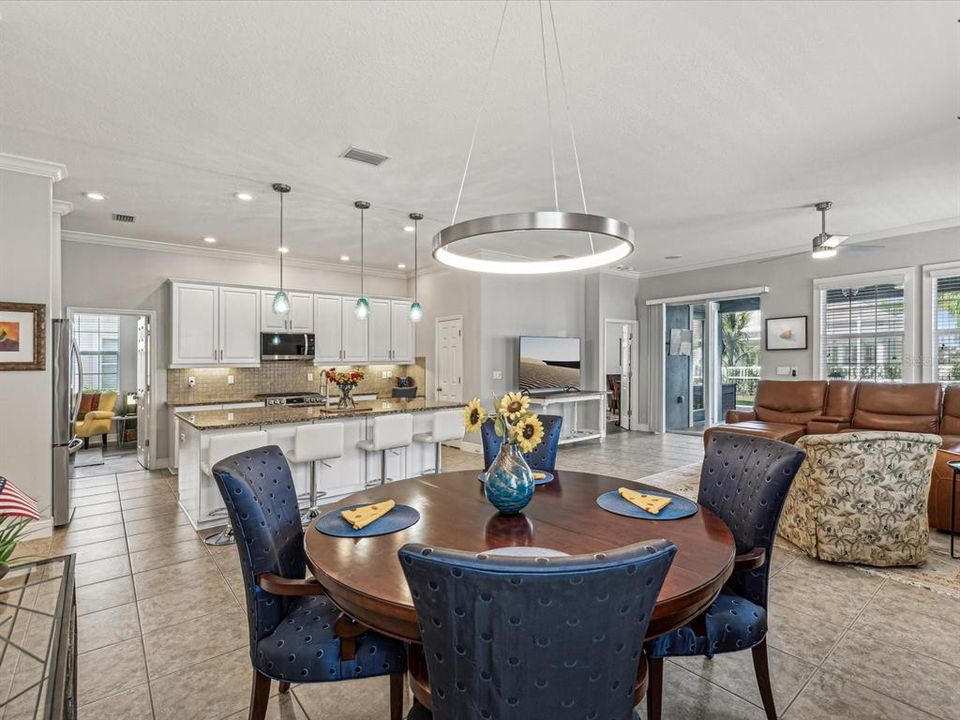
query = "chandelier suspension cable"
x=546 y=85
x=483 y=103
x=566 y=105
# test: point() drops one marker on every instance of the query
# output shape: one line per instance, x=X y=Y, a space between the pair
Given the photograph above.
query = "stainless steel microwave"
x=287 y=346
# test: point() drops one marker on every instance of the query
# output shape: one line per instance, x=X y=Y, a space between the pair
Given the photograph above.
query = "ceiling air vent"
x=124 y=218
x=364 y=156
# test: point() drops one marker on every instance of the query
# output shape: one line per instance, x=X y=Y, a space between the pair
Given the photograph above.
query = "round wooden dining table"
x=364 y=578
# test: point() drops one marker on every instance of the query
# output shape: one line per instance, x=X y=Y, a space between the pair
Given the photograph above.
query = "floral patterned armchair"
x=861 y=497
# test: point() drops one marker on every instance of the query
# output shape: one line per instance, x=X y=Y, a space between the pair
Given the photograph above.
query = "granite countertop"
x=281 y=414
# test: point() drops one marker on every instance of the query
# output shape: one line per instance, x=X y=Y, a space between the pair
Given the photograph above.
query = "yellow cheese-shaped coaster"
x=539 y=476
x=653 y=504
x=360 y=517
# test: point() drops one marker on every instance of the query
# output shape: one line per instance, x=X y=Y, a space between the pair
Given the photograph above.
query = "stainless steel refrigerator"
x=67 y=371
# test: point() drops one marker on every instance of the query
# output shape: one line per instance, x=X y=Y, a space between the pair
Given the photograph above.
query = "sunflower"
x=527 y=433
x=474 y=415
x=513 y=405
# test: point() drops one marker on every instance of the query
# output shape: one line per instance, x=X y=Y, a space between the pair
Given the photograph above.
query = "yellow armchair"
x=96 y=421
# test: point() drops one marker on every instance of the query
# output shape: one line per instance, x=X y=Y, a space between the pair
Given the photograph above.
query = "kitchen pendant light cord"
x=281 y=241
x=566 y=104
x=361 y=251
x=483 y=103
x=416 y=283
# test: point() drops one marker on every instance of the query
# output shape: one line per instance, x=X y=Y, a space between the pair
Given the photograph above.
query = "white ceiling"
x=710 y=127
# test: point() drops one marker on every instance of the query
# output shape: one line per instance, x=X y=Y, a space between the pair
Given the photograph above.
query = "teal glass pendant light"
x=281 y=301
x=362 y=308
x=416 y=310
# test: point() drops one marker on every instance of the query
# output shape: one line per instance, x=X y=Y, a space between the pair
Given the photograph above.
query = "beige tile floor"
x=162 y=631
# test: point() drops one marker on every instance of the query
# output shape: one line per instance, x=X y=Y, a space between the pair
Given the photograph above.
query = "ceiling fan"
x=825 y=245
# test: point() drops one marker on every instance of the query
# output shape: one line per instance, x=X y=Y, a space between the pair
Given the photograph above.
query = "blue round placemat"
x=547 y=477
x=400 y=518
x=679 y=508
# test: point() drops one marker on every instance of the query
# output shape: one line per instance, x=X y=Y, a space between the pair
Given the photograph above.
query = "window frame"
x=898 y=276
x=931 y=273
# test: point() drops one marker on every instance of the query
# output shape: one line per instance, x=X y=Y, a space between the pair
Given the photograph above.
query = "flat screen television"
x=549 y=363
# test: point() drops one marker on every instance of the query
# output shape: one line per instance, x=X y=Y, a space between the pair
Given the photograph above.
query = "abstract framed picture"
x=22 y=336
x=787 y=333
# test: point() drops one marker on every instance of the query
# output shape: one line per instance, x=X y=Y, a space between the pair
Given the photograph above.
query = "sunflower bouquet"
x=512 y=420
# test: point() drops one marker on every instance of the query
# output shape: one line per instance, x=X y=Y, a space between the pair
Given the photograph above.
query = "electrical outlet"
x=309 y=377
x=230 y=380
x=385 y=374
x=794 y=371
x=191 y=381
x=498 y=374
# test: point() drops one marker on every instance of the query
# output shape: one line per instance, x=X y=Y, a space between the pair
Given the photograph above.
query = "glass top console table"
x=38 y=641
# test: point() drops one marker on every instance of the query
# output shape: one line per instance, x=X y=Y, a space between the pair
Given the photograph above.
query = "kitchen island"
x=350 y=473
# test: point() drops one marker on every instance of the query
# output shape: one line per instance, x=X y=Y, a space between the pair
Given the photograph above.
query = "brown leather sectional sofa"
x=786 y=410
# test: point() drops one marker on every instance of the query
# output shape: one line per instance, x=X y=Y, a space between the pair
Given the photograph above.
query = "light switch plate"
x=309 y=377
x=783 y=370
x=230 y=380
x=498 y=374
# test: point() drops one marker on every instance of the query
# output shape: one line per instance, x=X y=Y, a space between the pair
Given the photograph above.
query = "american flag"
x=15 y=503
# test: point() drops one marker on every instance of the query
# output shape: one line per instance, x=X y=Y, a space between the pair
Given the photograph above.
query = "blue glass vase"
x=509 y=486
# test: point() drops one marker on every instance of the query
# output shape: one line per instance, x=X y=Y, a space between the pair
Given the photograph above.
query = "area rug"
x=939 y=573
x=89 y=457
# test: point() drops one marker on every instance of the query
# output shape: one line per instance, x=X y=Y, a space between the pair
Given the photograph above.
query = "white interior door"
x=450 y=359
x=144 y=392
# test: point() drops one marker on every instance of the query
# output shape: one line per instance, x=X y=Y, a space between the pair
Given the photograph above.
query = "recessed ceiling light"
x=283 y=249
x=408 y=228
x=344 y=258
x=210 y=240
x=94 y=196
x=401 y=266
x=671 y=257
x=245 y=196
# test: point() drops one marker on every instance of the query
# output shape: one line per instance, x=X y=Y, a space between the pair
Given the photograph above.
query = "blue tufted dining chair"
x=297 y=635
x=744 y=480
x=526 y=638
x=542 y=457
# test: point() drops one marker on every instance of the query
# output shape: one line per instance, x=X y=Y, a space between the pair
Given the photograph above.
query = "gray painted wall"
x=791 y=287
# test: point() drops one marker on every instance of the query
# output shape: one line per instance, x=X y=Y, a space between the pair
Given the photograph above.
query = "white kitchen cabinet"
x=239 y=326
x=298 y=320
x=402 y=332
x=328 y=323
x=381 y=349
x=354 y=342
x=195 y=322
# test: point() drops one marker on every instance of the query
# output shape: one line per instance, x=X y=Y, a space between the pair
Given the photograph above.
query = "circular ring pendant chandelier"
x=445 y=249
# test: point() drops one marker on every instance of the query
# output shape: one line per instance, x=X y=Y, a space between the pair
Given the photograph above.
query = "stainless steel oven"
x=287 y=346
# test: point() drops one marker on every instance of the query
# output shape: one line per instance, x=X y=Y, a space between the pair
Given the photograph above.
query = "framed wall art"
x=787 y=333
x=22 y=336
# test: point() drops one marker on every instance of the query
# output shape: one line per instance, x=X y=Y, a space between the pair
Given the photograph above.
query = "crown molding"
x=31 y=166
x=62 y=207
x=177 y=249
x=928 y=226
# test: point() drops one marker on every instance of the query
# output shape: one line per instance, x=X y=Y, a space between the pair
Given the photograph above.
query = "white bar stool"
x=390 y=432
x=447 y=427
x=313 y=444
x=221 y=447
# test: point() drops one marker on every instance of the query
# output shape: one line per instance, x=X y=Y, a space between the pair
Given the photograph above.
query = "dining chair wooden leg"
x=654 y=688
x=396 y=696
x=284 y=687
x=761 y=667
x=259 y=696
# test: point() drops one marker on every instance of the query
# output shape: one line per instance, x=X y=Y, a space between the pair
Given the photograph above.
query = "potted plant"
x=509 y=484
x=345 y=382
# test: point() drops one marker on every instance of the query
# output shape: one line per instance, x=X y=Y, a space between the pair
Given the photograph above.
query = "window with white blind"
x=98 y=339
x=864 y=328
x=942 y=323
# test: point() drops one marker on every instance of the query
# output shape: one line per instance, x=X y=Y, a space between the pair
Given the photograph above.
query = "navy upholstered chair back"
x=542 y=457
x=745 y=481
x=260 y=497
x=514 y=638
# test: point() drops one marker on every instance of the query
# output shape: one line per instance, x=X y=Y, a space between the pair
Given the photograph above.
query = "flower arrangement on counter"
x=512 y=420
x=345 y=382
